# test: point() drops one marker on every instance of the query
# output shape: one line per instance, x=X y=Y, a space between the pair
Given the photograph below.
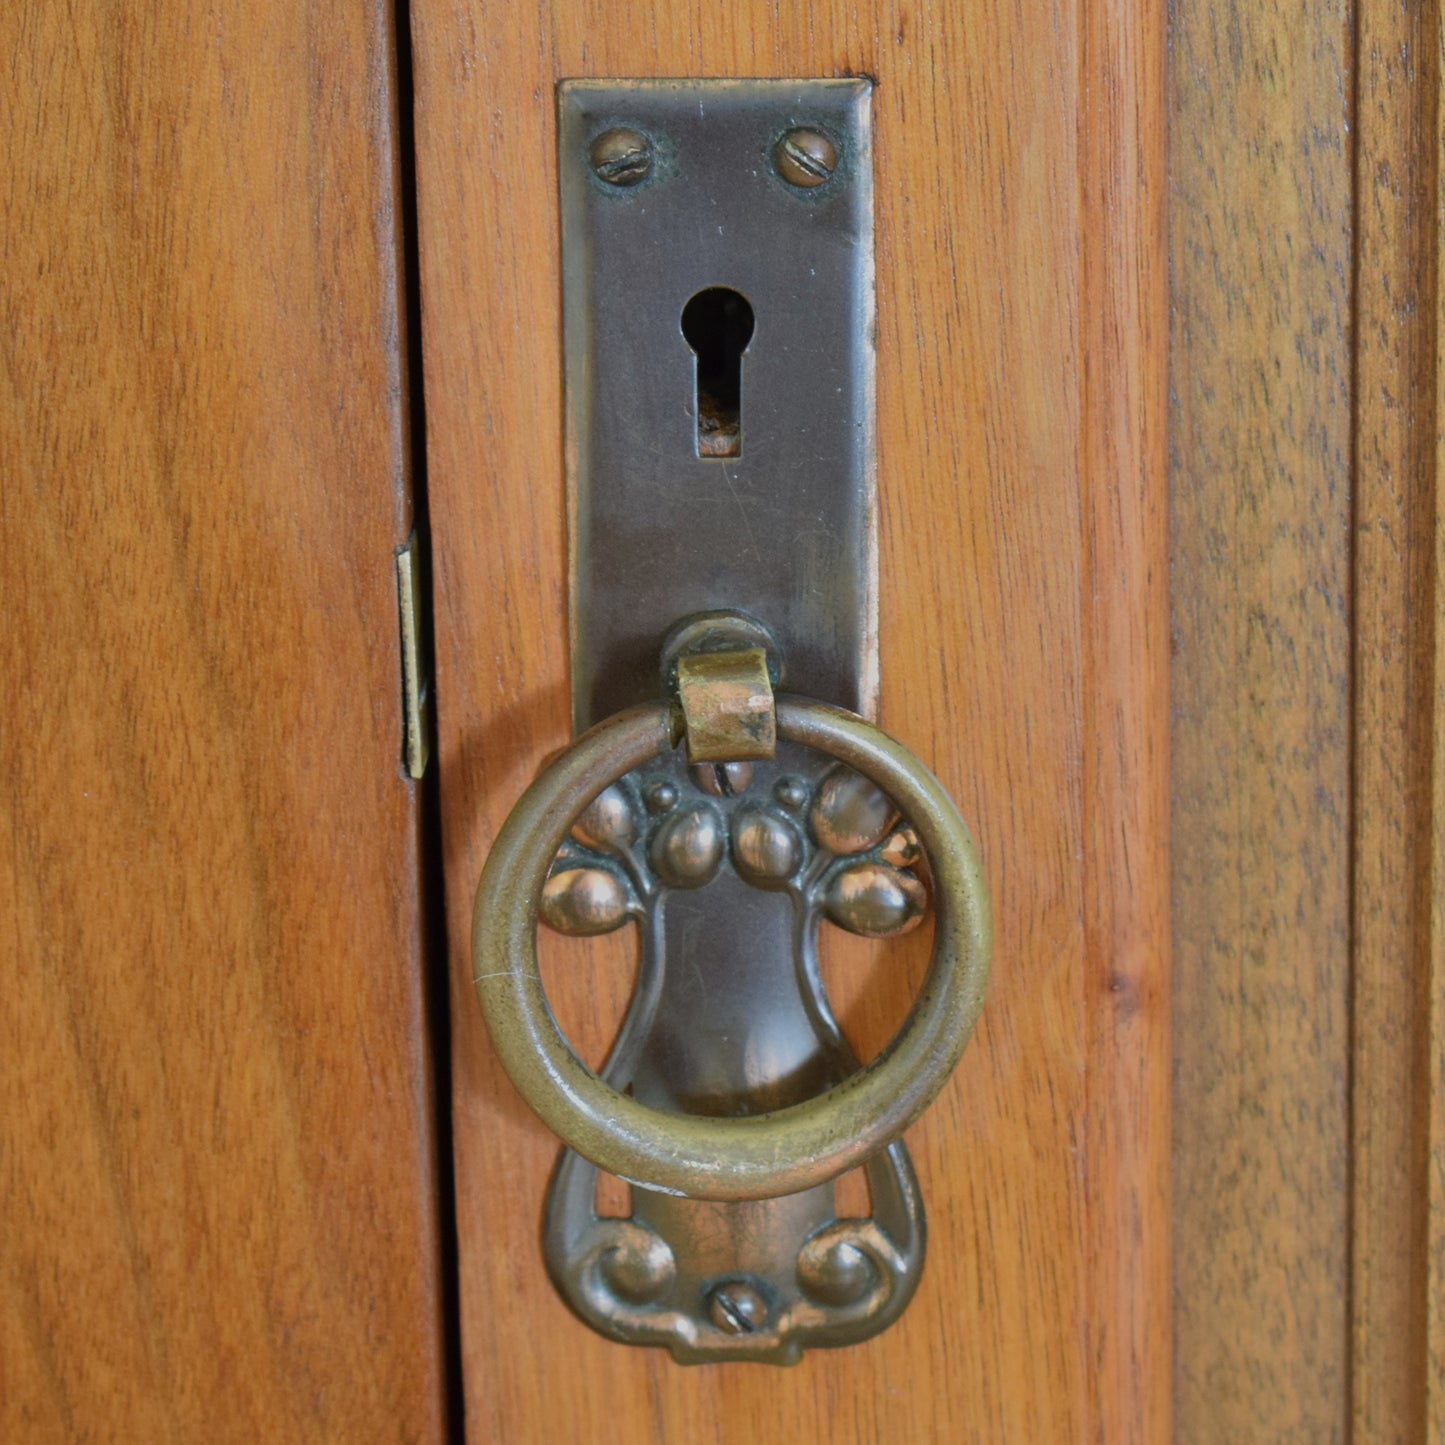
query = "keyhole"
x=718 y=324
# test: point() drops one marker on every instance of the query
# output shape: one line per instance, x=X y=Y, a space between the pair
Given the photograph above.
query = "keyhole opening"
x=718 y=324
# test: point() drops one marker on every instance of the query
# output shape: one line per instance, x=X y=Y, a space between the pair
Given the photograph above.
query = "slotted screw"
x=736 y=1308
x=805 y=158
x=622 y=157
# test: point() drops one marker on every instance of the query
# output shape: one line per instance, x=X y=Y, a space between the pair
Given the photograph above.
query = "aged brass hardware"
x=718 y=303
x=576 y=819
x=730 y=1099
x=702 y=475
x=621 y=157
x=727 y=706
x=805 y=158
x=415 y=690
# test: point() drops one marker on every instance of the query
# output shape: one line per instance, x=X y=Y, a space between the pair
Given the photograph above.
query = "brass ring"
x=763 y=1155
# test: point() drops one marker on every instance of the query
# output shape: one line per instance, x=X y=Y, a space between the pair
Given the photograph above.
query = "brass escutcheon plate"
x=664 y=523
x=695 y=489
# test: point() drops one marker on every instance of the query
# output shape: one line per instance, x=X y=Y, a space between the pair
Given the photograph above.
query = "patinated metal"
x=718 y=290
x=730 y=1083
x=805 y=157
x=785 y=527
x=621 y=157
x=727 y=706
x=710 y=1157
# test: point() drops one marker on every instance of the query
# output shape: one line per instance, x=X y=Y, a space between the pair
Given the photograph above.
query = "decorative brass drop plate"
x=719 y=341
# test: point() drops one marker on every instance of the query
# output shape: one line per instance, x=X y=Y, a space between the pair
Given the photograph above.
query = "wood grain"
x=1398 y=745
x=1021 y=304
x=1125 y=762
x=1261 y=373
x=216 y=1154
x=1309 y=1148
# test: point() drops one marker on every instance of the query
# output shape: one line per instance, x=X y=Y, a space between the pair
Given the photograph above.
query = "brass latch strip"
x=415 y=686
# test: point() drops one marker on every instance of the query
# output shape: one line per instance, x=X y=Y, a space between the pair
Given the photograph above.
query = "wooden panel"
x=1124 y=700
x=1021 y=380
x=1398 y=744
x=1260 y=351
x=1310 y=1152
x=216 y=1154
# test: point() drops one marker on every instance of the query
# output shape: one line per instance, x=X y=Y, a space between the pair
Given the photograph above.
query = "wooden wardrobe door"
x=1022 y=343
x=218 y=1207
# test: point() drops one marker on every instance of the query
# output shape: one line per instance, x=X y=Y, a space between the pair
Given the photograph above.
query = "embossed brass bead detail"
x=584 y=902
x=766 y=850
x=805 y=157
x=660 y=797
x=875 y=900
x=640 y=1267
x=777 y=1152
x=901 y=848
x=688 y=848
x=837 y=1275
x=607 y=821
x=850 y=814
x=792 y=793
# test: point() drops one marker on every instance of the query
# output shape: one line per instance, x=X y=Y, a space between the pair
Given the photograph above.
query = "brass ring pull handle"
x=720 y=1158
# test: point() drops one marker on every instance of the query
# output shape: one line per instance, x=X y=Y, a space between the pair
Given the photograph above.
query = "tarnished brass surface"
x=805 y=158
x=416 y=692
x=670 y=189
x=709 y=1157
x=756 y=1280
x=727 y=706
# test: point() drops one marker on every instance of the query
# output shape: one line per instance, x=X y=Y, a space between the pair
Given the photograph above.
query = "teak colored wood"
x=1260 y=220
x=1307 y=684
x=217 y=1186
x=1022 y=341
x=219 y=1193
x=1398 y=955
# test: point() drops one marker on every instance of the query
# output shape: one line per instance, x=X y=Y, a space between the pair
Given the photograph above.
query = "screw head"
x=722 y=780
x=805 y=158
x=736 y=1308
x=621 y=157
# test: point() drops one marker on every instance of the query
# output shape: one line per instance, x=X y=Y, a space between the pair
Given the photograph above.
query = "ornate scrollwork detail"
x=852 y=1276
x=832 y=843
x=622 y=1264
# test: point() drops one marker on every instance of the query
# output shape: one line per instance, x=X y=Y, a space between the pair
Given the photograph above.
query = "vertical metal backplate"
x=729 y=1015
x=785 y=529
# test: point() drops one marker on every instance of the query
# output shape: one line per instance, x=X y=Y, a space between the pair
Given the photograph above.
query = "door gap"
x=429 y=861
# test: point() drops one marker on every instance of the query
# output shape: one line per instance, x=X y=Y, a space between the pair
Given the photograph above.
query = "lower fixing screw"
x=736 y=1308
